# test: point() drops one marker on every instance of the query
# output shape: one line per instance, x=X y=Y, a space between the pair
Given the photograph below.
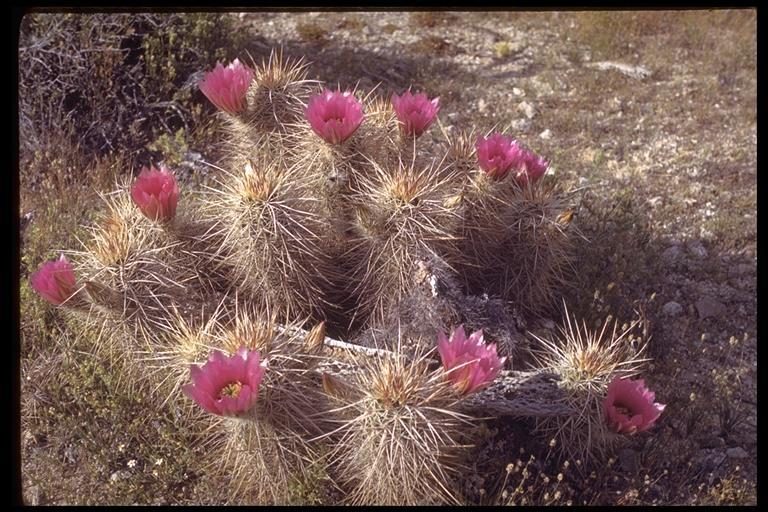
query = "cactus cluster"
x=325 y=209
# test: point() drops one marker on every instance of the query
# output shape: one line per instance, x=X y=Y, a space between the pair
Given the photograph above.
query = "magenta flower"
x=630 y=407
x=227 y=386
x=226 y=87
x=531 y=168
x=334 y=116
x=415 y=112
x=470 y=363
x=55 y=281
x=498 y=154
x=156 y=193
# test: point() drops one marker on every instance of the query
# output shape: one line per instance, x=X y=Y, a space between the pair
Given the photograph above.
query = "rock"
x=741 y=269
x=713 y=442
x=737 y=453
x=655 y=201
x=482 y=106
x=546 y=134
x=583 y=182
x=122 y=474
x=672 y=254
x=521 y=125
x=672 y=308
x=710 y=459
x=25 y=219
x=706 y=234
x=707 y=307
x=541 y=86
x=638 y=72
x=697 y=250
x=527 y=109
x=518 y=92
x=69 y=454
x=628 y=460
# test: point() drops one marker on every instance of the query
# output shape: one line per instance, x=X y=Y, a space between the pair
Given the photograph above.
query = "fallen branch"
x=513 y=393
x=638 y=72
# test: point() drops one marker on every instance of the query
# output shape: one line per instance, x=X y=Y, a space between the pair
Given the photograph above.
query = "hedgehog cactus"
x=589 y=362
x=400 y=437
x=327 y=207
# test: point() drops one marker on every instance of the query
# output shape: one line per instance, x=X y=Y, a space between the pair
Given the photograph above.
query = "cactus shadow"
x=365 y=69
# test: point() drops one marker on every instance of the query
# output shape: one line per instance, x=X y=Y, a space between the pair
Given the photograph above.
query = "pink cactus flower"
x=227 y=386
x=630 y=407
x=470 y=363
x=334 y=116
x=156 y=193
x=226 y=87
x=531 y=168
x=55 y=281
x=498 y=154
x=415 y=112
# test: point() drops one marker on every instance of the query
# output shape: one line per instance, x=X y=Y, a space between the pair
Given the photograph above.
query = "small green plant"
x=172 y=148
x=503 y=49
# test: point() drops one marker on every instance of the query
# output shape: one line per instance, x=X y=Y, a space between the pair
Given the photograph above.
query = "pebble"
x=546 y=134
x=482 y=106
x=654 y=202
x=518 y=92
x=709 y=307
x=672 y=308
x=737 y=453
x=527 y=109
x=521 y=125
